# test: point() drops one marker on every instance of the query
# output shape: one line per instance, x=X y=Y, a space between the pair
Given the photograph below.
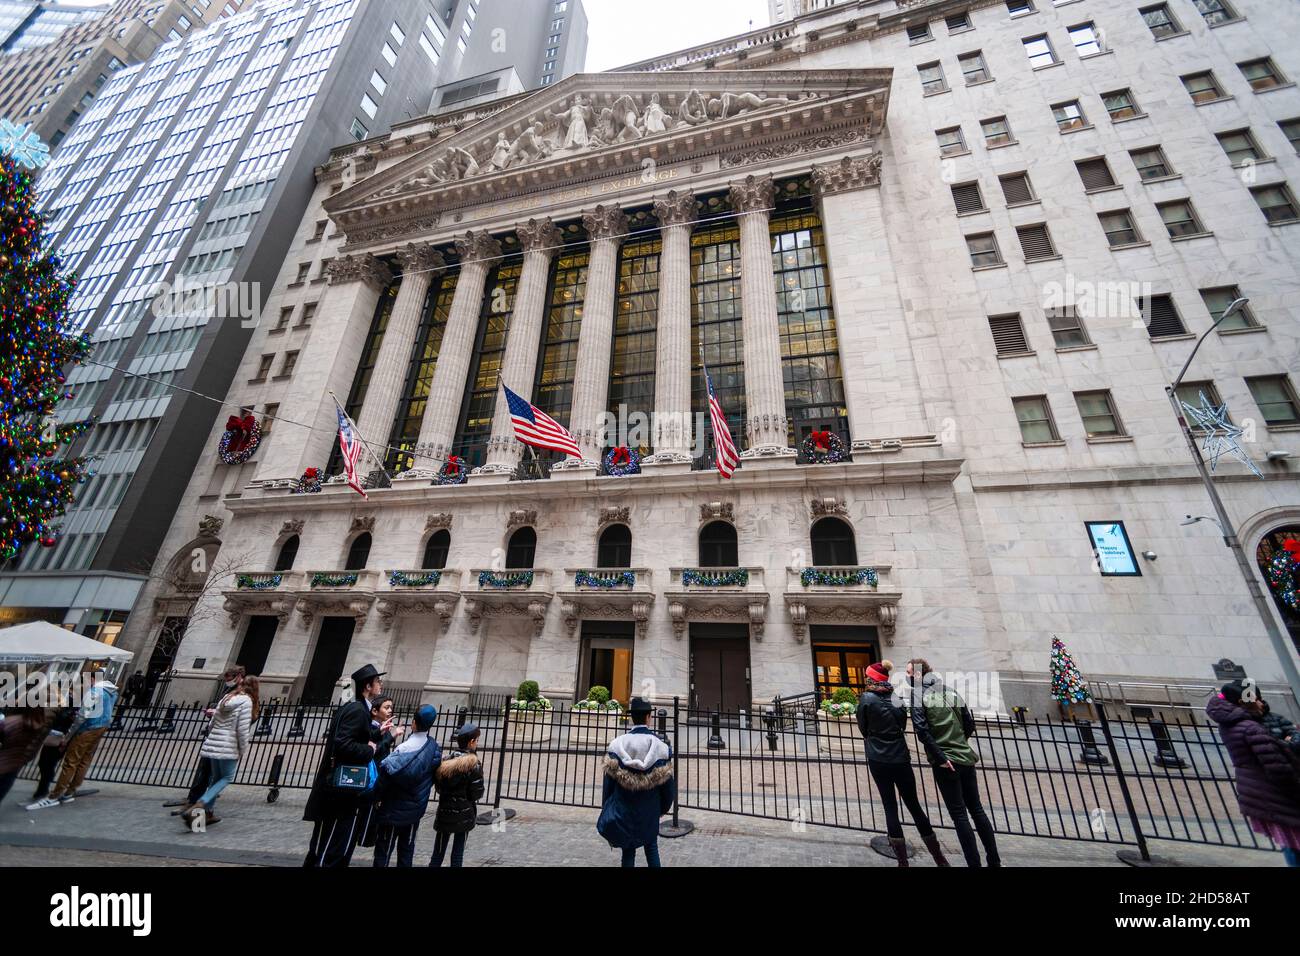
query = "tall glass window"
x=485 y=370
x=554 y=388
x=636 y=314
x=415 y=393
x=361 y=381
x=716 y=326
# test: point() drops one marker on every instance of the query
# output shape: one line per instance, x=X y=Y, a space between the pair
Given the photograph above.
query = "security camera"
x=1150 y=555
x=1279 y=455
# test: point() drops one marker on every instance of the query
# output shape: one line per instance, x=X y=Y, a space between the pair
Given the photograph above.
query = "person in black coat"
x=638 y=789
x=350 y=743
x=405 y=782
x=51 y=753
x=460 y=787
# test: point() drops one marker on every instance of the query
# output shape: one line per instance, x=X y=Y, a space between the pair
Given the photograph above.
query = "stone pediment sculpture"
x=596 y=116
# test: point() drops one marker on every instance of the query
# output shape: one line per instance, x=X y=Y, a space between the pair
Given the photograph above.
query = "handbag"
x=350 y=779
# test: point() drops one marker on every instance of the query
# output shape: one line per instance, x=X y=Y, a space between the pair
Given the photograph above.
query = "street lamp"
x=1262 y=606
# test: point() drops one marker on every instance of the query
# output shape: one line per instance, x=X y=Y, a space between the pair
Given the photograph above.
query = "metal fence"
x=1113 y=782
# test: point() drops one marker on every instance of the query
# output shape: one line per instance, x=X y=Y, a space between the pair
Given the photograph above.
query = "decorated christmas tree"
x=1068 y=685
x=1284 y=574
x=36 y=483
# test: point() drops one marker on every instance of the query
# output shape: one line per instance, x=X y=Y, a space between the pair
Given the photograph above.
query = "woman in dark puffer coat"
x=1268 y=785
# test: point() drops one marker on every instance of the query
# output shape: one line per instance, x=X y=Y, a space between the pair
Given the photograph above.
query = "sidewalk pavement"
x=126 y=825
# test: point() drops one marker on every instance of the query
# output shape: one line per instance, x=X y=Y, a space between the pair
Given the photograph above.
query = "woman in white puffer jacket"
x=226 y=744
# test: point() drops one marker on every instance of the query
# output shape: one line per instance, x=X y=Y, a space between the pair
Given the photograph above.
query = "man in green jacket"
x=944 y=725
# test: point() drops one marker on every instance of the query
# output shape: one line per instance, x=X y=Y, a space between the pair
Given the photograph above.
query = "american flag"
x=350 y=446
x=534 y=427
x=725 y=456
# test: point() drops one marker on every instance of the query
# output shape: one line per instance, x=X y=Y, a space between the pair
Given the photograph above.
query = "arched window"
x=359 y=553
x=521 y=549
x=833 y=544
x=718 y=546
x=435 y=552
x=615 y=547
x=288 y=554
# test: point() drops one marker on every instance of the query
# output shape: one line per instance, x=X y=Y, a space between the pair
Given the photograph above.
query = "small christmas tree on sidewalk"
x=36 y=485
x=1068 y=685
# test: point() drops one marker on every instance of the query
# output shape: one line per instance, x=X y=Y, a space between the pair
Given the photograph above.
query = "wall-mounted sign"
x=1111 y=546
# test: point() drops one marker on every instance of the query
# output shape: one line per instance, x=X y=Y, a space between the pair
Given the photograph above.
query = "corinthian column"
x=477 y=250
x=384 y=391
x=606 y=227
x=766 y=428
x=672 y=415
x=540 y=241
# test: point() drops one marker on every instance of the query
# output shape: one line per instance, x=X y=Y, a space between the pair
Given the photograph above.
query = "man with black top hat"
x=639 y=788
x=351 y=742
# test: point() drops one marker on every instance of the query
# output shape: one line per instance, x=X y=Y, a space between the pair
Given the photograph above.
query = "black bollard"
x=274 y=780
x=1090 y=754
x=1020 y=714
x=1166 y=756
x=168 y=724
x=298 y=730
x=715 y=738
x=769 y=718
x=264 y=722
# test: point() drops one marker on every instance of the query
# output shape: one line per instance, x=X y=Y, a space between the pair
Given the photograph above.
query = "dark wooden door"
x=719 y=671
x=257 y=643
x=327 y=662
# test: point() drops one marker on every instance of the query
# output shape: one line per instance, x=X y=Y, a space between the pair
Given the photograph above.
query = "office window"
x=1262 y=74
x=379 y=83
x=1016 y=188
x=268 y=418
x=390 y=55
x=1217 y=302
x=966 y=197
x=1119 y=227
x=1085 y=39
x=973 y=67
x=1036 y=242
x=1095 y=173
x=1180 y=218
x=1151 y=163
x=429 y=50
x=918 y=33
x=1020 y=8
x=397 y=34
x=1161 y=21
x=290 y=361
x=932 y=80
x=304 y=270
x=368 y=105
x=1276 y=202
x=1120 y=104
x=264 y=366
x=983 y=250
x=1035 y=418
x=1039 y=50
x=1067 y=328
x=282 y=322
x=1214 y=11
x=1189 y=393
x=1291 y=129
x=997 y=131
x=1161 y=316
x=1202 y=87
x=951 y=141
x=1100 y=419
x=1008 y=334
x=358 y=130
x=1069 y=116
x=1240 y=146
x=1276 y=399
x=308 y=313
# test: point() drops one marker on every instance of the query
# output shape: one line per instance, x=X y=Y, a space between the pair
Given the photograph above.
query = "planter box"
x=530 y=727
x=838 y=735
x=595 y=729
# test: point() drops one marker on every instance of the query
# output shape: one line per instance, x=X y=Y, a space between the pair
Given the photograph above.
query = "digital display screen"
x=1111 y=545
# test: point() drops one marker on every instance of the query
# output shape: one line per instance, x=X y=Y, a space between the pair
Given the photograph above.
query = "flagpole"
x=707 y=388
x=361 y=438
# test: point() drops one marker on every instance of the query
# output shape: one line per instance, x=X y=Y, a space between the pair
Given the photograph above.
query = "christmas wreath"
x=239 y=440
x=823 y=448
x=622 y=461
x=452 y=472
x=308 y=484
x=1283 y=574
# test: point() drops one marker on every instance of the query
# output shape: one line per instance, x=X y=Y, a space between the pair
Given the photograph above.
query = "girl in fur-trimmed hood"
x=459 y=780
x=638 y=789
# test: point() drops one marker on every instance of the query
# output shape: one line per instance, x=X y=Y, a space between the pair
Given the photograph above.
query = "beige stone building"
x=965 y=244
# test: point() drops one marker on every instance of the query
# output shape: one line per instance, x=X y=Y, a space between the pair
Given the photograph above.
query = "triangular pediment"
x=597 y=123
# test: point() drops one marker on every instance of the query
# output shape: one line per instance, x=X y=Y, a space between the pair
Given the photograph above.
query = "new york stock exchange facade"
x=593 y=246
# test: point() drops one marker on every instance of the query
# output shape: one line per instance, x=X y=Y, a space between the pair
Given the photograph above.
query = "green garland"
x=710 y=579
x=519 y=579
x=400 y=579
x=811 y=576
x=605 y=580
x=322 y=579
x=247 y=582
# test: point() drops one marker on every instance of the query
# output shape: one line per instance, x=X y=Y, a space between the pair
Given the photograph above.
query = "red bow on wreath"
x=822 y=441
x=311 y=473
x=453 y=465
x=1292 y=547
x=236 y=424
x=621 y=455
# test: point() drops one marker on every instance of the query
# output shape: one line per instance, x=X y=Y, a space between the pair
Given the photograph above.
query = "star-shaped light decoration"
x=23 y=145
x=1220 y=434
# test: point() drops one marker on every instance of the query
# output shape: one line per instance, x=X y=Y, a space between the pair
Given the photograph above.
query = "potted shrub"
x=530 y=716
x=597 y=720
x=837 y=723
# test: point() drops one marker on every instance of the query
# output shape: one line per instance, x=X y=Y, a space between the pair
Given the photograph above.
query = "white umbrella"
x=41 y=642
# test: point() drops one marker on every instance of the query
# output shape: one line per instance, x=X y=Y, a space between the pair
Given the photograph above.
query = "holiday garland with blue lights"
x=322 y=579
x=37 y=480
x=513 y=579
x=715 y=579
x=404 y=579
x=250 y=582
x=811 y=576
x=605 y=580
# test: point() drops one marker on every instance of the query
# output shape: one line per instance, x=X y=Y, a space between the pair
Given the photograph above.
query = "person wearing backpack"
x=226 y=745
x=405 y=782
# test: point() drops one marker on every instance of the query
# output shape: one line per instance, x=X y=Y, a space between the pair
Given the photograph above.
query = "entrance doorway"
x=257 y=643
x=163 y=657
x=606 y=659
x=720 y=667
x=327 y=662
x=841 y=656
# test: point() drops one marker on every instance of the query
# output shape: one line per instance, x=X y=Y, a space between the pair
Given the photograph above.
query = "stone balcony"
x=339 y=593
x=417 y=592
x=516 y=592
x=607 y=594
x=717 y=594
x=263 y=592
x=841 y=595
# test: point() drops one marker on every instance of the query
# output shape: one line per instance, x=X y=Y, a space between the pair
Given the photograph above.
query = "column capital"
x=753 y=194
x=539 y=235
x=419 y=258
x=605 y=222
x=359 y=268
x=675 y=209
x=477 y=247
x=849 y=174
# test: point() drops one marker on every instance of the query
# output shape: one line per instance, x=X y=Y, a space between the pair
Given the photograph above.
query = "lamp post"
x=1262 y=606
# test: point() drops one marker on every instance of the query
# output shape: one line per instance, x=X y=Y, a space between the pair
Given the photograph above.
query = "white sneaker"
x=67 y=799
x=43 y=804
